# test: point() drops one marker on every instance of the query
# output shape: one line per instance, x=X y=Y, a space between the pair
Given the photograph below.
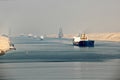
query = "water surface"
x=58 y=59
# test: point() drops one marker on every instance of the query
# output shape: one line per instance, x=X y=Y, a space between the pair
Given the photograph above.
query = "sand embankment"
x=105 y=36
x=4 y=44
x=115 y=36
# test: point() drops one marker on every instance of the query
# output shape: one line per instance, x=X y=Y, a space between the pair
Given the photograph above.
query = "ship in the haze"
x=41 y=37
x=60 y=34
x=82 y=41
x=30 y=35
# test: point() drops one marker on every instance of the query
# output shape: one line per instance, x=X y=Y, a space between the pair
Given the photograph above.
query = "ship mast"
x=60 y=34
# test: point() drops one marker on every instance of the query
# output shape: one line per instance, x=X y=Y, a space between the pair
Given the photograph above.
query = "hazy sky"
x=46 y=16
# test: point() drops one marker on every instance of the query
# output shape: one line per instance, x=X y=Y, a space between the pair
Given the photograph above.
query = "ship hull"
x=89 y=43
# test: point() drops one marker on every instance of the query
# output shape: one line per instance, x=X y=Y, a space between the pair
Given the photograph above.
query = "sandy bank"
x=115 y=36
x=105 y=36
x=4 y=43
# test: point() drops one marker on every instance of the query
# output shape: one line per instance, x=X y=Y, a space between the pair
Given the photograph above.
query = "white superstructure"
x=82 y=37
x=41 y=37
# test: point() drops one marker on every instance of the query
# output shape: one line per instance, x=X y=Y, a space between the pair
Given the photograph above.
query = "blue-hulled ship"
x=82 y=41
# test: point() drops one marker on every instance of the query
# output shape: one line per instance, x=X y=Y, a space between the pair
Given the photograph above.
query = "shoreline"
x=109 y=36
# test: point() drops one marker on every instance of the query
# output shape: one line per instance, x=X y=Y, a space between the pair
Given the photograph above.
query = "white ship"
x=41 y=37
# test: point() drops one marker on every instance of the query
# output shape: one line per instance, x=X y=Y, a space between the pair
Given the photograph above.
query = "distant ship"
x=30 y=35
x=41 y=37
x=82 y=41
x=60 y=34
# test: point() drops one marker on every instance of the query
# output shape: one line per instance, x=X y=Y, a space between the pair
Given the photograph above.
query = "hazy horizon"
x=47 y=16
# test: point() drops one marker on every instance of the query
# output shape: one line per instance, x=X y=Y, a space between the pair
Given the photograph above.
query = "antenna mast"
x=60 y=34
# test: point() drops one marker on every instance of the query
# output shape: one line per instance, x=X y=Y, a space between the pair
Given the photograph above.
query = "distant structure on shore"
x=30 y=35
x=60 y=34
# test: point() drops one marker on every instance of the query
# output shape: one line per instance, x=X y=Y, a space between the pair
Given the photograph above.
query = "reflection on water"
x=4 y=73
x=60 y=71
x=54 y=59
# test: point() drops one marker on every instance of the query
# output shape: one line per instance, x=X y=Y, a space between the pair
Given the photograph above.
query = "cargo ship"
x=82 y=41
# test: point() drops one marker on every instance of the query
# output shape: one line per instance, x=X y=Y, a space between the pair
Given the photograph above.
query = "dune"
x=105 y=36
x=109 y=36
x=4 y=45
